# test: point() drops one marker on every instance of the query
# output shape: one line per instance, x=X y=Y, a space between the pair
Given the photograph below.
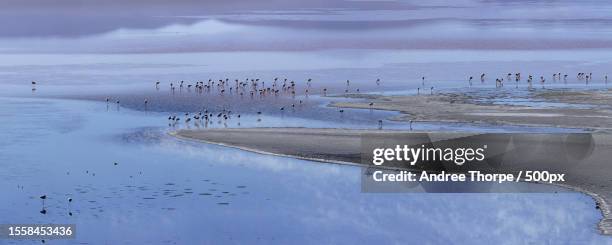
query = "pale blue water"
x=164 y=190
x=93 y=49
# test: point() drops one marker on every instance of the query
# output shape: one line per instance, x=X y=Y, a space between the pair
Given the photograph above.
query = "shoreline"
x=291 y=139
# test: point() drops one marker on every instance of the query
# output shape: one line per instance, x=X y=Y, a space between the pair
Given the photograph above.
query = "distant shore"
x=590 y=110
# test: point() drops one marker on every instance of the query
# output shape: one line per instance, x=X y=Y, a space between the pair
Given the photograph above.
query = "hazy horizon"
x=71 y=26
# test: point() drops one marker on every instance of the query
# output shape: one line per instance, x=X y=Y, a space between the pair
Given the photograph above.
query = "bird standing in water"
x=44 y=210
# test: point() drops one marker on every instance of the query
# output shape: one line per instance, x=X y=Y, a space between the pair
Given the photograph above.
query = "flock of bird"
x=258 y=88
x=253 y=88
x=499 y=82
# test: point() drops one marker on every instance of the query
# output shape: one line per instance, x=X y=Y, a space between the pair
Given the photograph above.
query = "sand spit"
x=328 y=145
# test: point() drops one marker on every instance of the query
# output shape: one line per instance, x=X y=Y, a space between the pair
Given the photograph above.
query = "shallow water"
x=165 y=190
x=311 y=111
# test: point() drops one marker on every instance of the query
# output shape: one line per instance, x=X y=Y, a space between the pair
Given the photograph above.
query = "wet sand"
x=344 y=146
x=591 y=110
